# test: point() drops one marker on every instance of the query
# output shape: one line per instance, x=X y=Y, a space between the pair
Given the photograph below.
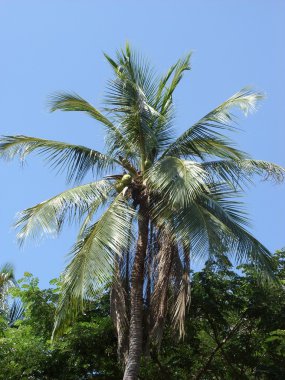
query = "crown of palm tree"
x=191 y=183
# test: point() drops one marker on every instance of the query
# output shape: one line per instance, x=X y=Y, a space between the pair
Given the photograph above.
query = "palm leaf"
x=76 y=159
x=92 y=260
x=162 y=126
x=197 y=139
x=237 y=172
x=216 y=219
x=163 y=82
x=6 y=271
x=131 y=96
x=134 y=113
x=7 y=281
x=177 y=182
x=47 y=217
x=16 y=312
x=178 y=69
x=73 y=102
x=240 y=242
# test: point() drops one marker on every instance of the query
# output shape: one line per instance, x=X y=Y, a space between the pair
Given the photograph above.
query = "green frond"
x=87 y=220
x=113 y=64
x=7 y=281
x=163 y=125
x=16 y=312
x=92 y=259
x=163 y=82
x=73 y=102
x=216 y=219
x=176 y=182
x=131 y=101
x=206 y=128
x=238 y=172
x=7 y=270
x=204 y=143
x=135 y=115
x=47 y=218
x=239 y=242
x=77 y=160
x=182 y=65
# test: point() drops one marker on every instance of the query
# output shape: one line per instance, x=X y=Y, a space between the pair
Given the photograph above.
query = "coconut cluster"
x=126 y=180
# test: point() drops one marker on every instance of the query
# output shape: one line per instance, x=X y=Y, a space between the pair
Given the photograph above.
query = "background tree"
x=87 y=350
x=234 y=330
x=11 y=311
x=167 y=197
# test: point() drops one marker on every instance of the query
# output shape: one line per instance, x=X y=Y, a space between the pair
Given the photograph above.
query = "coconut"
x=126 y=179
x=147 y=164
x=119 y=186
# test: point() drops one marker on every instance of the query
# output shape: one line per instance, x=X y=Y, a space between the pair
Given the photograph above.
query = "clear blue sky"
x=52 y=45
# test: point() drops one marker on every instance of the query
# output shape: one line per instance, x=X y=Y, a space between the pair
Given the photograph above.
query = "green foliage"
x=88 y=347
x=234 y=330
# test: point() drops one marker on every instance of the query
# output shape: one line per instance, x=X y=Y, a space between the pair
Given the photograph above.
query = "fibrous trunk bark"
x=159 y=304
x=136 y=327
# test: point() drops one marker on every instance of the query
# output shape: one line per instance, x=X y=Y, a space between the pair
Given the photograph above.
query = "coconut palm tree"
x=160 y=200
x=12 y=311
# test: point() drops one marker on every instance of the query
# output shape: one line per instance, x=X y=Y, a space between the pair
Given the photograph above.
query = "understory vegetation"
x=235 y=329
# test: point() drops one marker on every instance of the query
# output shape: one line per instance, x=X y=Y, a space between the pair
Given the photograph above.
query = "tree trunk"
x=136 y=328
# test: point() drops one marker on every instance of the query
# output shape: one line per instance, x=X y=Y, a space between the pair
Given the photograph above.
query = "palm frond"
x=178 y=69
x=134 y=113
x=48 y=217
x=163 y=82
x=163 y=125
x=237 y=172
x=239 y=242
x=73 y=102
x=6 y=271
x=16 y=312
x=113 y=64
x=7 y=281
x=177 y=181
x=131 y=96
x=216 y=219
x=76 y=159
x=205 y=130
x=92 y=260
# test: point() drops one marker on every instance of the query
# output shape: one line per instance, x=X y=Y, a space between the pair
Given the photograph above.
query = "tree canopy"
x=235 y=329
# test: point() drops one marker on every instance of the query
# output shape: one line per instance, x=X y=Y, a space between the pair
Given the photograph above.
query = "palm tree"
x=160 y=198
x=11 y=311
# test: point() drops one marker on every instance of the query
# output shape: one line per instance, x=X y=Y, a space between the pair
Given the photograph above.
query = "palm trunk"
x=136 y=328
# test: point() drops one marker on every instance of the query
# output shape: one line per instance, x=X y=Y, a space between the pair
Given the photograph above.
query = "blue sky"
x=53 y=45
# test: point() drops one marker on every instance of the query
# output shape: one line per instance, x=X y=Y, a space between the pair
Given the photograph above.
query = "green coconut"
x=126 y=179
x=119 y=186
x=147 y=164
